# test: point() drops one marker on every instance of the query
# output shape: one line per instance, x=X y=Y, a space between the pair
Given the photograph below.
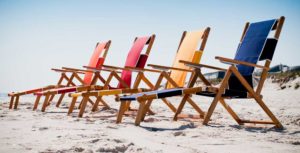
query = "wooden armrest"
x=94 y=69
x=112 y=67
x=62 y=70
x=75 y=69
x=195 y=65
x=168 y=68
x=116 y=67
x=135 y=69
x=124 y=68
x=232 y=61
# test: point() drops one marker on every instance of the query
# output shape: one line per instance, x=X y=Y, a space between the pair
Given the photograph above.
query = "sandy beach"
x=24 y=130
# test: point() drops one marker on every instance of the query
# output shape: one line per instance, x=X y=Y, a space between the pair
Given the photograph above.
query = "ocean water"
x=3 y=97
x=3 y=94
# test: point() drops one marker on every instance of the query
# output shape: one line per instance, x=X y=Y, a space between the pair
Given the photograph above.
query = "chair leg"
x=83 y=105
x=17 y=102
x=104 y=103
x=46 y=102
x=180 y=107
x=268 y=112
x=210 y=110
x=95 y=106
x=147 y=107
x=72 y=105
x=121 y=112
x=140 y=113
x=80 y=104
x=258 y=100
x=127 y=106
x=186 y=98
x=52 y=97
x=60 y=100
x=148 y=110
x=217 y=96
x=172 y=107
x=36 y=103
x=231 y=112
x=90 y=101
x=11 y=103
x=196 y=107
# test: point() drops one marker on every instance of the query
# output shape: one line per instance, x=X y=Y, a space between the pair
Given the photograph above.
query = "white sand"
x=25 y=130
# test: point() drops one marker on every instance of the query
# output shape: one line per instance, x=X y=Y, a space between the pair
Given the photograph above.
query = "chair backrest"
x=136 y=58
x=255 y=45
x=96 y=60
x=188 y=51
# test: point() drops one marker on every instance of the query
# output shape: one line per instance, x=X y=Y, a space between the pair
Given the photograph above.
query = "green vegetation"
x=284 y=77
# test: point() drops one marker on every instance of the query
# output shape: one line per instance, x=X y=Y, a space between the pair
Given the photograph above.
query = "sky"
x=36 y=36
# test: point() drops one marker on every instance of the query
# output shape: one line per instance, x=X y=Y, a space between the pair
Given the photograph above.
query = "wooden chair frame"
x=75 y=74
x=164 y=74
x=253 y=94
x=15 y=97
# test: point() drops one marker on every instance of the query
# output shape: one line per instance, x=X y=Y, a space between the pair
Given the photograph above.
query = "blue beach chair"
x=255 y=45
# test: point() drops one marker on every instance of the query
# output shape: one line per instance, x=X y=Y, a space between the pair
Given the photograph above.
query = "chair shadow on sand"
x=252 y=129
x=190 y=125
x=259 y=129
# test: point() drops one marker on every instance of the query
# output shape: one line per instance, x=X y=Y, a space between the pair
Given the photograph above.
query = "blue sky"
x=36 y=36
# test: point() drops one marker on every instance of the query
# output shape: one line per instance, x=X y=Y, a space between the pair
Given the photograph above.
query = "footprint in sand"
x=115 y=149
x=94 y=141
x=296 y=143
x=179 y=133
x=118 y=141
x=151 y=119
x=112 y=127
x=43 y=128
x=72 y=149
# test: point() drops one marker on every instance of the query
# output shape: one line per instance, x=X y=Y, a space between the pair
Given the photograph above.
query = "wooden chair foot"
x=83 y=105
x=11 y=103
x=72 y=105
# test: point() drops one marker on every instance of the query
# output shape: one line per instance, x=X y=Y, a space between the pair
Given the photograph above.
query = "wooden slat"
x=61 y=70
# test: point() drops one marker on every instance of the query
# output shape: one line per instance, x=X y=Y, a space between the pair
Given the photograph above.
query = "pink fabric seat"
x=134 y=59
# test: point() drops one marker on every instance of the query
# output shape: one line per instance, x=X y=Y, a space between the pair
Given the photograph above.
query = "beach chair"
x=69 y=75
x=176 y=75
x=89 y=78
x=237 y=83
x=135 y=58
